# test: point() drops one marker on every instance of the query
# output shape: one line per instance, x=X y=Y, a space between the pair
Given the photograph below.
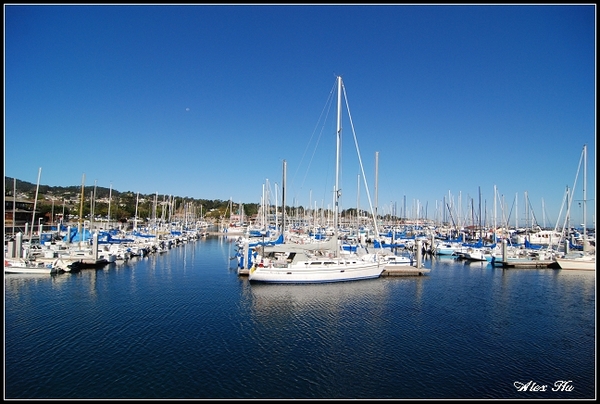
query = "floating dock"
x=525 y=263
x=405 y=270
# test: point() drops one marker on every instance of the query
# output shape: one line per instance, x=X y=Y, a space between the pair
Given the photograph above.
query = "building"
x=22 y=210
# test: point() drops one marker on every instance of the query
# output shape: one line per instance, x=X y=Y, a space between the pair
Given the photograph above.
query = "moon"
x=187 y=109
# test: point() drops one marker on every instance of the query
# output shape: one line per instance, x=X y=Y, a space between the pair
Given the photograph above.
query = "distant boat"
x=477 y=254
x=393 y=261
x=22 y=266
x=317 y=262
x=447 y=248
x=231 y=227
x=537 y=237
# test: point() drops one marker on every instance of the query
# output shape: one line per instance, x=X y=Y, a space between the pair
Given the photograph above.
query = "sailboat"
x=232 y=227
x=317 y=262
x=581 y=260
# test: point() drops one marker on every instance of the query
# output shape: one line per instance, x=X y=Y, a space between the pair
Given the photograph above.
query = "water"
x=185 y=325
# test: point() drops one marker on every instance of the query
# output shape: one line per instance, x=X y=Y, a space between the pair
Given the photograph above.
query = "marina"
x=186 y=325
x=437 y=243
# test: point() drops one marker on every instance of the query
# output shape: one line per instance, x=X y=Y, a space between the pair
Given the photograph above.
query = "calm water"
x=185 y=325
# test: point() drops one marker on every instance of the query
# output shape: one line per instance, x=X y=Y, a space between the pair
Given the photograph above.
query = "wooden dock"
x=525 y=264
x=405 y=270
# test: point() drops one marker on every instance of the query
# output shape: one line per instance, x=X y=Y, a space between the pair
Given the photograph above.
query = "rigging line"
x=510 y=213
x=322 y=120
x=360 y=160
x=503 y=214
x=564 y=201
x=568 y=213
x=532 y=213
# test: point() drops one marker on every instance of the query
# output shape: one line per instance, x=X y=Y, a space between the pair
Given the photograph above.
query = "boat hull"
x=21 y=266
x=577 y=264
x=306 y=273
x=30 y=270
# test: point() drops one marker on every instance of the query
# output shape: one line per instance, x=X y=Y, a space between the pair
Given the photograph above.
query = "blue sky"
x=207 y=101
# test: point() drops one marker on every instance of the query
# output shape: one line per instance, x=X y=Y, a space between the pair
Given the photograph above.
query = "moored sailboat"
x=581 y=260
x=321 y=261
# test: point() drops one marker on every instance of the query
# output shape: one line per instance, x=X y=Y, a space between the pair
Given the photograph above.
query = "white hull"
x=331 y=270
x=582 y=264
x=30 y=269
x=22 y=267
x=544 y=237
x=394 y=262
x=447 y=248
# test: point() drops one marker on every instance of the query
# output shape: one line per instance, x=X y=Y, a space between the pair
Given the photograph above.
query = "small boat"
x=22 y=266
x=447 y=248
x=397 y=261
x=402 y=265
x=537 y=236
x=478 y=254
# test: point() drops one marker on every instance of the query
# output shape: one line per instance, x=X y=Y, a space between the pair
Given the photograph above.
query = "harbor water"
x=185 y=325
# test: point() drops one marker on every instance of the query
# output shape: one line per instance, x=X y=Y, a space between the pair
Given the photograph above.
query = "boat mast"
x=337 y=161
x=137 y=200
x=377 y=188
x=79 y=222
x=585 y=242
x=37 y=188
x=283 y=185
x=14 y=216
x=109 y=200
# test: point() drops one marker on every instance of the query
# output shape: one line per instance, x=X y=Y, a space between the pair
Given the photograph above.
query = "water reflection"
x=16 y=283
x=315 y=296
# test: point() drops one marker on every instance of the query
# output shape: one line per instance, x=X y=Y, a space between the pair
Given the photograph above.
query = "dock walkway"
x=408 y=270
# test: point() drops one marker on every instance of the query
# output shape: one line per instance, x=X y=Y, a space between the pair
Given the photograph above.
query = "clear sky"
x=207 y=101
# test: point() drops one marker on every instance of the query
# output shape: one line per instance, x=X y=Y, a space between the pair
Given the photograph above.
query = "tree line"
x=54 y=200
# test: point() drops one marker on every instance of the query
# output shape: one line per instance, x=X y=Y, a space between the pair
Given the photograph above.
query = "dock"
x=405 y=270
x=525 y=263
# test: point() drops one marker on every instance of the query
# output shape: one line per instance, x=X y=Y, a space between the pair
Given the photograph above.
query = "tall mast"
x=284 y=169
x=14 y=205
x=376 y=186
x=337 y=159
x=80 y=221
x=37 y=188
x=584 y=197
x=109 y=200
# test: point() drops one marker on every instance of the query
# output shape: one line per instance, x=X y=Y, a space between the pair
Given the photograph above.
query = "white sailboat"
x=581 y=260
x=235 y=225
x=317 y=262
